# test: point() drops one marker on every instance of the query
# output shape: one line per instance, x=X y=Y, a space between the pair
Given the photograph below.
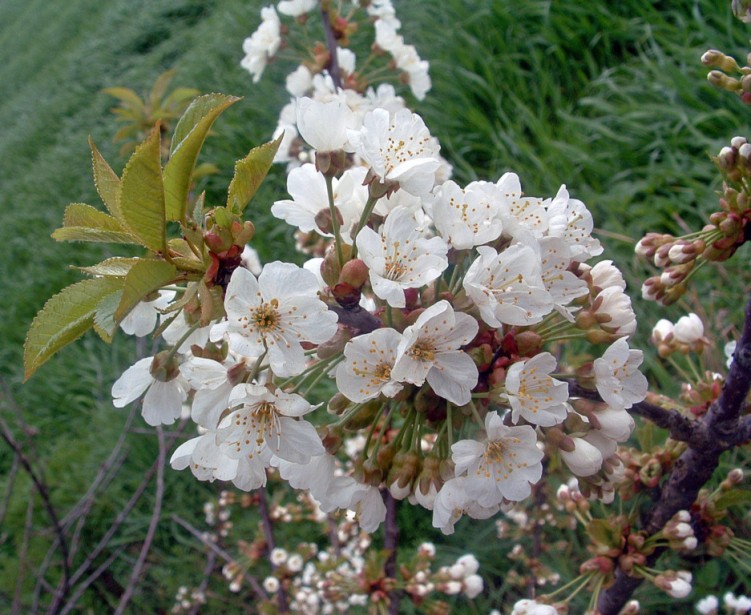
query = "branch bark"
x=722 y=425
x=391 y=544
x=333 y=64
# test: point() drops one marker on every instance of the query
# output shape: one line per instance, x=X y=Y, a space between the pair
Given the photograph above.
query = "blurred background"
x=609 y=98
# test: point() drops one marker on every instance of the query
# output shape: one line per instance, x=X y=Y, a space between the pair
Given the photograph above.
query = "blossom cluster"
x=333 y=75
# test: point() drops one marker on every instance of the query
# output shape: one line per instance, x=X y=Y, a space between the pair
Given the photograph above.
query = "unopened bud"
x=722 y=81
x=355 y=273
x=717 y=59
x=164 y=366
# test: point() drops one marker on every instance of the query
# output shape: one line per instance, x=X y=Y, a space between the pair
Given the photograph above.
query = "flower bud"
x=355 y=273
x=164 y=366
x=584 y=460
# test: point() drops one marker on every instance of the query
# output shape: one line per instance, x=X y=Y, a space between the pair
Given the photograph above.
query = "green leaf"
x=82 y=233
x=159 y=89
x=64 y=318
x=249 y=173
x=187 y=141
x=144 y=278
x=127 y=96
x=734 y=497
x=142 y=194
x=104 y=317
x=83 y=222
x=106 y=181
x=112 y=267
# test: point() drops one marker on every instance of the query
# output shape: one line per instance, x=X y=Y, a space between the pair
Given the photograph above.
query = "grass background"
x=608 y=98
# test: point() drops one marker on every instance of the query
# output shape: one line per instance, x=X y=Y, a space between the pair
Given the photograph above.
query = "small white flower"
x=708 y=605
x=680 y=585
x=532 y=607
x=299 y=82
x=617 y=377
x=370 y=359
x=271 y=584
x=689 y=329
x=465 y=217
x=473 y=586
x=278 y=556
x=429 y=349
x=295 y=8
x=616 y=304
x=398 y=149
x=508 y=287
x=584 y=460
x=275 y=312
x=505 y=466
x=561 y=283
x=324 y=125
x=163 y=401
x=400 y=256
x=605 y=274
x=143 y=318
x=571 y=220
x=262 y=44
x=535 y=395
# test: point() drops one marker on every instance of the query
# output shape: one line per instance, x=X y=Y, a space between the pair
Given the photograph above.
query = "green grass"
x=608 y=98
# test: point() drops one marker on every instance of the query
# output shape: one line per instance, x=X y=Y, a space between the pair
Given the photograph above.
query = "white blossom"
x=367 y=370
x=275 y=313
x=689 y=329
x=262 y=44
x=465 y=217
x=324 y=125
x=398 y=149
x=400 y=257
x=535 y=395
x=508 y=287
x=505 y=466
x=617 y=377
x=142 y=319
x=571 y=220
x=163 y=401
x=430 y=349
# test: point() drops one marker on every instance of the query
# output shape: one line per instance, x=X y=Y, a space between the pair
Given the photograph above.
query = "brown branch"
x=357 y=318
x=153 y=523
x=207 y=570
x=333 y=63
x=391 y=543
x=268 y=533
x=697 y=464
x=41 y=488
x=76 y=595
x=16 y=608
x=221 y=553
x=678 y=425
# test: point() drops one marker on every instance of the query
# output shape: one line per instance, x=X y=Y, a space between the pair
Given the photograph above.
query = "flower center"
x=382 y=371
x=423 y=350
x=266 y=316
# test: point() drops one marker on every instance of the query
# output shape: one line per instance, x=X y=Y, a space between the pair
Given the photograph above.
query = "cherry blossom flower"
x=505 y=466
x=262 y=423
x=324 y=125
x=533 y=394
x=507 y=287
x=398 y=149
x=295 y=8
x=165 y=393
x=572 y=221
x=615 y=306
x=532 y=607
x=370 y=359
x=307 y=187
x=561 y=283
x=400 y=256
x=688 y=329
x=584 y=460
x=143 y=318
x=429 y=349
x=262 y=44
x=465 y=217
x=520 y=215
x=275 y=312
x=617 y=377
x=453 y=501
x=213 y=382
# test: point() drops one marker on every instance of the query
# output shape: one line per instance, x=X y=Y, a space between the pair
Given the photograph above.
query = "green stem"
x=369 y=205
x=334 y=220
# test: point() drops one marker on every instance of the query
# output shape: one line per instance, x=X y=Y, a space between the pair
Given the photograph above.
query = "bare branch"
x=41 y=488
x=268 y=532
x=155 y=515
x=696 y=465
x=333 y=64
x=76 y=595
x=391 y=543
x=208 y=569
x=221 y=553
x=357 y=318
x=678 y=425
x=16 y=608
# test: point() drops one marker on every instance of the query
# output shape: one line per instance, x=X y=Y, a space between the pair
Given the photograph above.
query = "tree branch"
x=333 y=64
x=221 y=553
x=268 y=533
x=391 y=544
x=697 y=464
x=357 y=318
x=155 y=515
